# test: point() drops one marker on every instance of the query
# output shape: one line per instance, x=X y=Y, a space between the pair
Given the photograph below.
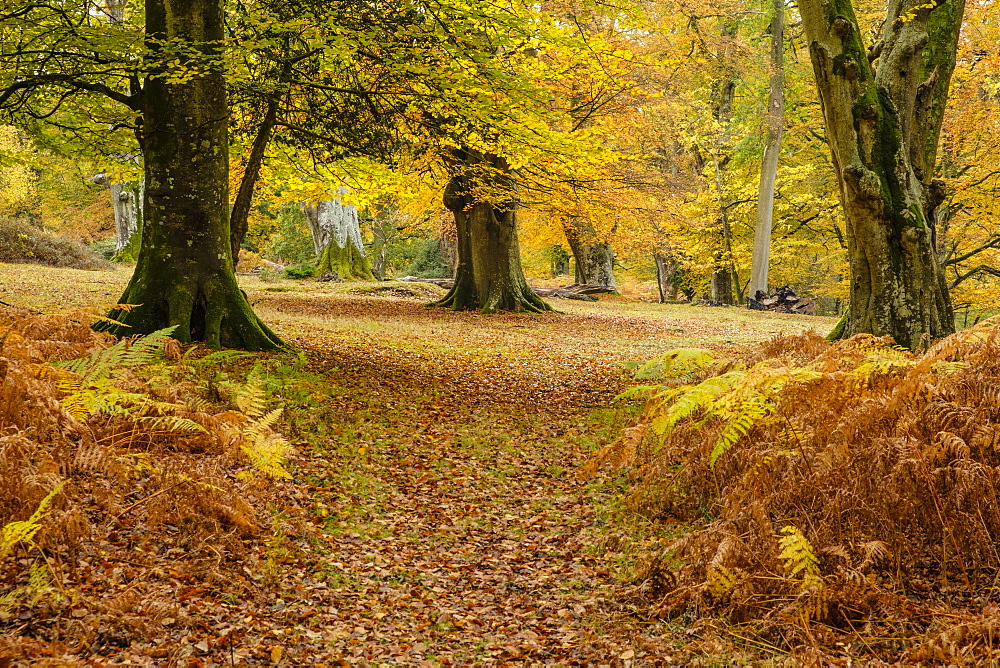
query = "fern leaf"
x=797 y=553
x=23 y=532
x=171 y=423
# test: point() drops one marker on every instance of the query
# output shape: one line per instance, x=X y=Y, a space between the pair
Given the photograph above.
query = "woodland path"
x=458 y=530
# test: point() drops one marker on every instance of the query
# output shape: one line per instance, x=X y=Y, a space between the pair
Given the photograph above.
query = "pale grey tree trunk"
x=336 y=233
x=126 y=198
x=772 y=148
x=331 y=221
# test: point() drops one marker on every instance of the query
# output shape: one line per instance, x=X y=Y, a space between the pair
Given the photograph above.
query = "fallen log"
x=562 y=293
x=588 y=289
x=445 y=283
x=784 y=300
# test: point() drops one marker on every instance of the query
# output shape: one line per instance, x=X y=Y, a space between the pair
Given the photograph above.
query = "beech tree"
x=184 y=274
x=772 y=149
x=883 y=109
x=489 y=276
x=175 y=101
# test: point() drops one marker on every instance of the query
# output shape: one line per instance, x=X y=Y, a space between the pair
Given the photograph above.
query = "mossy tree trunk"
x=184 y=273
x=489 y=276
x=883 y=121
x=336 y=233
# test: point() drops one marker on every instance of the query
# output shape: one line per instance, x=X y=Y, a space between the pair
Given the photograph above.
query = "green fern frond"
x=23 y=532
x=688 y=399
x=797 y=553
x=128 y=353
x=675 y=363
x=881 y=359
x=250 y=398
x=267 y=454
x=171 y=423
x=222 y=357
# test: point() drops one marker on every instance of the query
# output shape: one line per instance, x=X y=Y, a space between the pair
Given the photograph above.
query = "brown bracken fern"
x=101 y=443
x=838 y=476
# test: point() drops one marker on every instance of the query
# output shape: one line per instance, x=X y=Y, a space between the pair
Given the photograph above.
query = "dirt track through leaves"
x=463 y=538
x=455 y=528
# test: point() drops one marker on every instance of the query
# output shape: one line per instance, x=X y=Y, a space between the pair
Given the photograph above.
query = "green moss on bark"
x=347 y=262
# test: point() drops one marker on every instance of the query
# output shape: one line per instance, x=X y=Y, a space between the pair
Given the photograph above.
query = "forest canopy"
x=618 y=142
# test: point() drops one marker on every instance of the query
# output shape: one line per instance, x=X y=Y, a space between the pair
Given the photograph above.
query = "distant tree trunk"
x=724 y=281
x=336 y=235
x=184 y=274
x=240 y=214
x=126 y=199
x=883 y=124
x=381 y=231
x=772 y=149
x=594 y=259
x=489 y=276
x=559 y=261
x=666 y=268
x=449 y=244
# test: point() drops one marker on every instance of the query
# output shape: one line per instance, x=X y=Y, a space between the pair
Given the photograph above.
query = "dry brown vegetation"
x=852 y=510
x=115 y=481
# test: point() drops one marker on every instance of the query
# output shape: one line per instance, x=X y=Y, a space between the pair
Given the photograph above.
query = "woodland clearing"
x=434 y=513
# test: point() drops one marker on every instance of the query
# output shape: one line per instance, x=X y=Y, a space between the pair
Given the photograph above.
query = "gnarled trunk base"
x=489 y=277
x=204 y=305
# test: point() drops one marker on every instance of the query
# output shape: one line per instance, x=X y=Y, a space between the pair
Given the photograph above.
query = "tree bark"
x=883 y=124
x=184 y=275
x=336 y=235
x=724 y=282
x=666 y=268
x=489 y=276
x=126 y=202
x=760 y=263
x=240 y=214
x=593 y=259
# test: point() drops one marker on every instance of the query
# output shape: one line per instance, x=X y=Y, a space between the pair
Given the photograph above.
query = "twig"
x=151 y=496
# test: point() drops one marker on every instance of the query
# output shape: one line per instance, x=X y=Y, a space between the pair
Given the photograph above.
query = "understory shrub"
x=430 y=261
x=306 y=269
x=24 y=243
x=847 y=487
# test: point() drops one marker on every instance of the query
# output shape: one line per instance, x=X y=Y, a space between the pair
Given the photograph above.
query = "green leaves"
x=740 y=398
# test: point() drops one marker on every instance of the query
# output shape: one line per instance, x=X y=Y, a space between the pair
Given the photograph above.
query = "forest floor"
x=435 y=516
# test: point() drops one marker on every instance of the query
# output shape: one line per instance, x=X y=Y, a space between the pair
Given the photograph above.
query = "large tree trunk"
x=883 y=124
x=336 y=235
x=594 y=259
x=772 y=148
x=489 y=277
x=184 y=275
